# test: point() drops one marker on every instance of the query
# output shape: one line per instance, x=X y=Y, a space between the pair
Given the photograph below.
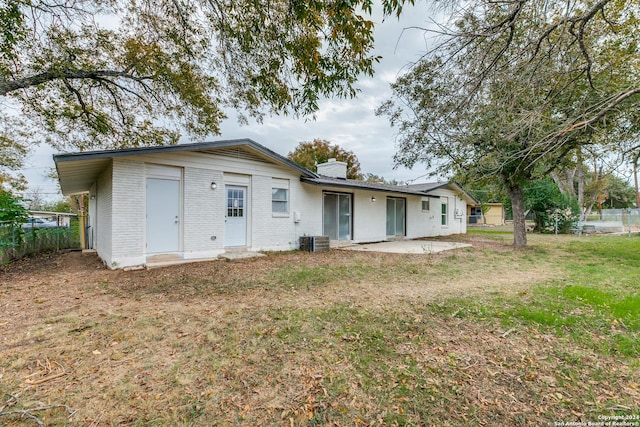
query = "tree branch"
x=28 y=413
x=52 y=75
x=600 y=114
x=78 y=95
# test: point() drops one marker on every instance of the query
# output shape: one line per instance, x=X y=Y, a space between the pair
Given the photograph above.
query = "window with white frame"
x=425 y=205
x=280 y=196
x=444 y=203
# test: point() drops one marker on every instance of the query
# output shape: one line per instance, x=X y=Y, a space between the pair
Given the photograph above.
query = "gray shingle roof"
x=417 y=189
x=414 y=189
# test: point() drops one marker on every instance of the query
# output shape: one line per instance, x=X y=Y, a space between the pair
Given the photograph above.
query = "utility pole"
x=635 y=178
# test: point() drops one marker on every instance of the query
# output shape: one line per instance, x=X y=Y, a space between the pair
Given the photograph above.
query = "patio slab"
x=407 y=246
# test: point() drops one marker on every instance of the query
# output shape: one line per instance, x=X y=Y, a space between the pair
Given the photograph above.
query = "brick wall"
x=203 y=211
x=270 y=231
x=128 y=212
x=102 y=223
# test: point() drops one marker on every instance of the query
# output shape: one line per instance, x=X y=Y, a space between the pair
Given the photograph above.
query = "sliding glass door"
x=337 y=216
x=395 y=216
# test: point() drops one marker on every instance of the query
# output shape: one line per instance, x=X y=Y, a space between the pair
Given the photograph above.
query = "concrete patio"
x=407 y=246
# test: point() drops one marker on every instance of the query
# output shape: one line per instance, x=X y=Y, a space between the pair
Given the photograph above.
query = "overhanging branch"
x=7 y=87
x=601 y=113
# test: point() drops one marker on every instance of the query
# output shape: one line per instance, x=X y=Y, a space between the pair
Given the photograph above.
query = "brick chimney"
x=333 y=169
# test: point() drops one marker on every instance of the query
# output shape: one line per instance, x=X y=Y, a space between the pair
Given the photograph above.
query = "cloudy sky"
x=351 y=123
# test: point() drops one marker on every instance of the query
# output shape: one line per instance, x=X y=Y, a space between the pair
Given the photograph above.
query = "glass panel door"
x=344 y=217
x=235 y=230
x=330 y=218
x=391 y=222
x=395 y=216
x=400 y=218
x=337 y=216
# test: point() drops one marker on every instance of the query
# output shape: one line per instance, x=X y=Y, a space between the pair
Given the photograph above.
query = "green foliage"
x=309 y=154
x=545 y=201
x=116 y=73
x=14 y=141
x=485 y=191
x=514 y=87
x=371 y=177
x=11 y=210
x=62 y=205
x=12 y=29
x=619 y=193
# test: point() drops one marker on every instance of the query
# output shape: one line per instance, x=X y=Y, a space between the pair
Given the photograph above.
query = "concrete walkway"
x=407 y=246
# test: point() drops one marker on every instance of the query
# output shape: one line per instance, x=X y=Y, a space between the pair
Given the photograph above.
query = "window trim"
x=281 y=184
x=444 y=211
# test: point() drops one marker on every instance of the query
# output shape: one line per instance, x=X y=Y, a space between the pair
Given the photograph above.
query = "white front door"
x=163 y=215
x=235 y=227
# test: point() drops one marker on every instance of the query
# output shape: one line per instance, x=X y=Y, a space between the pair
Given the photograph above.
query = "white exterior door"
x=163 y=215
x=235 y=227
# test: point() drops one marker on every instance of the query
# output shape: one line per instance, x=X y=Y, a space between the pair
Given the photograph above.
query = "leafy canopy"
x=88 y=74
x=11 y=209
x=513 y=88
x=309 y=154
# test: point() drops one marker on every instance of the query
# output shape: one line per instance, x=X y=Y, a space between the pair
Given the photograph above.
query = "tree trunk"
x=565 y=182
x=516 y=196
x=587 y=212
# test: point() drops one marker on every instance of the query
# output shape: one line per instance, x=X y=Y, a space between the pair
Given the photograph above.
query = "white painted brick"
x=103 y=219
x=121 y=214
x=128 y=209
x=203 y=209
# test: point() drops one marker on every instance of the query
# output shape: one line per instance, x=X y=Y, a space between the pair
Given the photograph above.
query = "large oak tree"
x=514 y=87
x=113 y=73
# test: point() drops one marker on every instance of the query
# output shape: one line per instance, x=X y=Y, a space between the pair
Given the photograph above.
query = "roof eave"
x=106 y=155
x=357 y=187
x=399 y=190
x=65 y=157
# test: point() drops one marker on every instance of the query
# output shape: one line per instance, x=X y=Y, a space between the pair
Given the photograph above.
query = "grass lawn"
x=477 y=336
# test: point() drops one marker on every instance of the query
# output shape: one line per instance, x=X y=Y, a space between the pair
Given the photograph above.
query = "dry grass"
x=300 y=339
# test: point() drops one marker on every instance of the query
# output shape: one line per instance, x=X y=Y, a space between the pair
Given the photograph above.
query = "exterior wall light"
x=373 y=200
x=214 y=185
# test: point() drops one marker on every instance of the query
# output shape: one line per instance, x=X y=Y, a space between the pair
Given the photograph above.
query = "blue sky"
x=350 y=123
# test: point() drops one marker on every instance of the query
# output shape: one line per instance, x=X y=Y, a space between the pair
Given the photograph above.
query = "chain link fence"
x=53 y=232
x=628 y=217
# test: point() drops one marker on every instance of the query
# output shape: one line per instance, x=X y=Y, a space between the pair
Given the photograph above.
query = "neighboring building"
x=197 y=201
x=494 y=214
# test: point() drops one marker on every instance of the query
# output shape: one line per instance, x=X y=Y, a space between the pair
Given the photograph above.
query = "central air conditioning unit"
x=314 y=243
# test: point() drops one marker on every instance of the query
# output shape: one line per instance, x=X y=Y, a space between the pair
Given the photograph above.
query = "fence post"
x=82 y=225
x=13 y=240
x=629 y=220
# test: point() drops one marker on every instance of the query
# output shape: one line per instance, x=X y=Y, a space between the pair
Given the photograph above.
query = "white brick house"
x=198 y=201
